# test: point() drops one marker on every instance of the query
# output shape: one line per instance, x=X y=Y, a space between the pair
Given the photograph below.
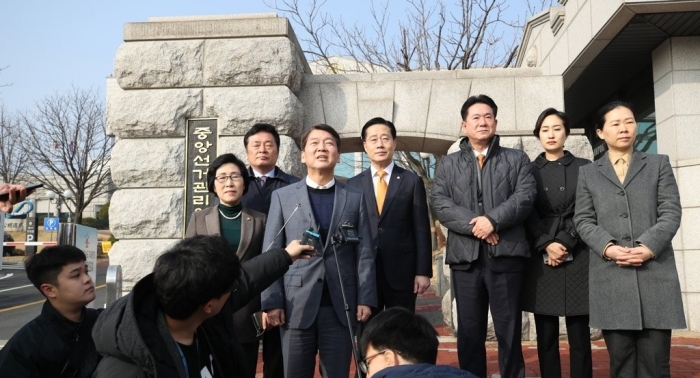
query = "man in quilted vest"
x=482 y=194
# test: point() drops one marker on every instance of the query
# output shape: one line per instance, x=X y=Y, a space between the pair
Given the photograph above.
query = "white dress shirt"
x=311 y=183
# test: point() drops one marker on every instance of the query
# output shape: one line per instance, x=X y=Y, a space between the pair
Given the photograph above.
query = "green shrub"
x=99 y=224
x=104 y=212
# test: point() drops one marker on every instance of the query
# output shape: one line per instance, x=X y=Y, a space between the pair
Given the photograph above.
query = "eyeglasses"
x=364 y=364
x=233 y=176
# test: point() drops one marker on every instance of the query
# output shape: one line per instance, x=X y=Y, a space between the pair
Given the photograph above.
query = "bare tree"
x=429 y=35
x=13 y=158
x=4 y=84
x=67 y=146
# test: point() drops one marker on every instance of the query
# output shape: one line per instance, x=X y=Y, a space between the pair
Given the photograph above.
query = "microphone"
x=283 y=226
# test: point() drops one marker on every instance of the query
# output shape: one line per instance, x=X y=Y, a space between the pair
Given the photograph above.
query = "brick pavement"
x=685 y=357
x=685 y=351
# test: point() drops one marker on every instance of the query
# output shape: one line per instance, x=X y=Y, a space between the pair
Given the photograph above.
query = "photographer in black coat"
x=177 y=322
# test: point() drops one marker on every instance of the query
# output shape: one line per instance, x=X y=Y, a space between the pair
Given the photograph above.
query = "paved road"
x=20 y=301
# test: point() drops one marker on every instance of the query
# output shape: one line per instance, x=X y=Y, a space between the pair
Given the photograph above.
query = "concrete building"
x=187 y=89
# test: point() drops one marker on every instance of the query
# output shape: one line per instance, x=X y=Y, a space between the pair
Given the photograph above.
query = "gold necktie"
x=381 y=191
x=480 y=158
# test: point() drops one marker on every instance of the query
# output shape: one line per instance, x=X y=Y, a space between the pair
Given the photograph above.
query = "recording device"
x=347 y=234
x=569 y=257
x=30 y=189
x=257 y=323
x=313 y=239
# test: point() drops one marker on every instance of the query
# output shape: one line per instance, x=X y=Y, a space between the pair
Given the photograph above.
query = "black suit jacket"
x=401 y=235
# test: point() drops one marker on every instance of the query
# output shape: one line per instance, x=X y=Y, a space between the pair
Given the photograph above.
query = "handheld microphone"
x=283 y=226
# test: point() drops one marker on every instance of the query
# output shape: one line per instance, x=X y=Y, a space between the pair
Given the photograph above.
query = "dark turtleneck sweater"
x=231 y=228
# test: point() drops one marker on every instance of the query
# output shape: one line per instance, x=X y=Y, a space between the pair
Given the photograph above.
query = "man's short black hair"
x=600 y=118
x=323 y=127
x=226 y=159
x=45 y=266
x=407 y=334
x=548 y=112
x=193 y=272
x=479 y=99
x=378 y=121
x=262 y=128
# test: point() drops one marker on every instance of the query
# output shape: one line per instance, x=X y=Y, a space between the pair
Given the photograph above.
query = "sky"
x=49 y=46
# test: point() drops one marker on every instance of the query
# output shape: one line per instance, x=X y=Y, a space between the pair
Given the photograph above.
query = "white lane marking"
x=15 y=288
x=7 y=276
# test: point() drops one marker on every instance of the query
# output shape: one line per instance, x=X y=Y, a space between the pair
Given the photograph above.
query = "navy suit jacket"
x=299 y=291
x=401 y=234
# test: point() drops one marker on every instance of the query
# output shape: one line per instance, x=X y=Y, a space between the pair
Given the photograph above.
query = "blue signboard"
x=50 y=224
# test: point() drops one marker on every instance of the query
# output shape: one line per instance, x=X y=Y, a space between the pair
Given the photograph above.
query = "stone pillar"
x=676 y=64
x=238 y=70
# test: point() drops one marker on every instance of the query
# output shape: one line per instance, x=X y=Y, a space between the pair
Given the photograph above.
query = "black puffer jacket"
x=509 y=191
x=133 y=339
x=43 y=346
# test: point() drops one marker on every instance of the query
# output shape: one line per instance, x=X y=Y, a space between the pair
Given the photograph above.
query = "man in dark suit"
x=398 y=215
x=262 y=144
x=308 y=301
x=482 y=194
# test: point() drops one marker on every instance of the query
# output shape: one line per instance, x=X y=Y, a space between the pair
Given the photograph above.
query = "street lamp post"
x=51 y=195
x=425 y=160
x=68 y=194
x=55 y=199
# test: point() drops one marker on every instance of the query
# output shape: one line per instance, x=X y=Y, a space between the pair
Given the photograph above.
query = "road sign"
x=50 y=224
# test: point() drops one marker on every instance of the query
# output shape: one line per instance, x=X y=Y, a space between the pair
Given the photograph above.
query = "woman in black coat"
x=556 y=280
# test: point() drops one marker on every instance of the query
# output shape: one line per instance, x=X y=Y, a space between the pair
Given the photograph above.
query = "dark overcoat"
x=645 y=209
x=560 y=290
